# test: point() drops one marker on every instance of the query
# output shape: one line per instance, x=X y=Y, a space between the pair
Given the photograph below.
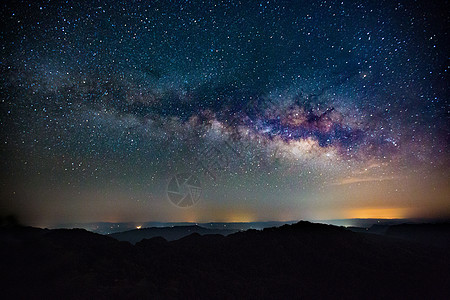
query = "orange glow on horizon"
x=378 y=213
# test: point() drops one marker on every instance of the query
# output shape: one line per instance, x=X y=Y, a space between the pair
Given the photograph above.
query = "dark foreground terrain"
x=303 y=260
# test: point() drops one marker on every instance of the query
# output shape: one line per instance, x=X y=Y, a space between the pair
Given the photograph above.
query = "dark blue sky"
x=280 y=110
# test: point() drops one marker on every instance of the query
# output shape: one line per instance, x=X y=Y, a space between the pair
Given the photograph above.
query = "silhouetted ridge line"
x=169 y=233
x=303 y=260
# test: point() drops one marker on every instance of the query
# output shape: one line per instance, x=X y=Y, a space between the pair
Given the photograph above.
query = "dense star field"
x=275 y=110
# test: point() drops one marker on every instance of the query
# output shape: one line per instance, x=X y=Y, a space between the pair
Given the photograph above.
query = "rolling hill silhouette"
x=303 y=260
x=437 y=235
x=168 y=233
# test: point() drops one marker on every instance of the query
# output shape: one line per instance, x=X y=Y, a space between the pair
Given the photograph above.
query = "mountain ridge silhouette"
x=169 y=233
x=303 y=260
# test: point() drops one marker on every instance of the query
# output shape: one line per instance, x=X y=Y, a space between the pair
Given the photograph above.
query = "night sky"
x=224 y=110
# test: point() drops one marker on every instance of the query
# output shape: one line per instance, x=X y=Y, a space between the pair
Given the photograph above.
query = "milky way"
x=282 y=109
